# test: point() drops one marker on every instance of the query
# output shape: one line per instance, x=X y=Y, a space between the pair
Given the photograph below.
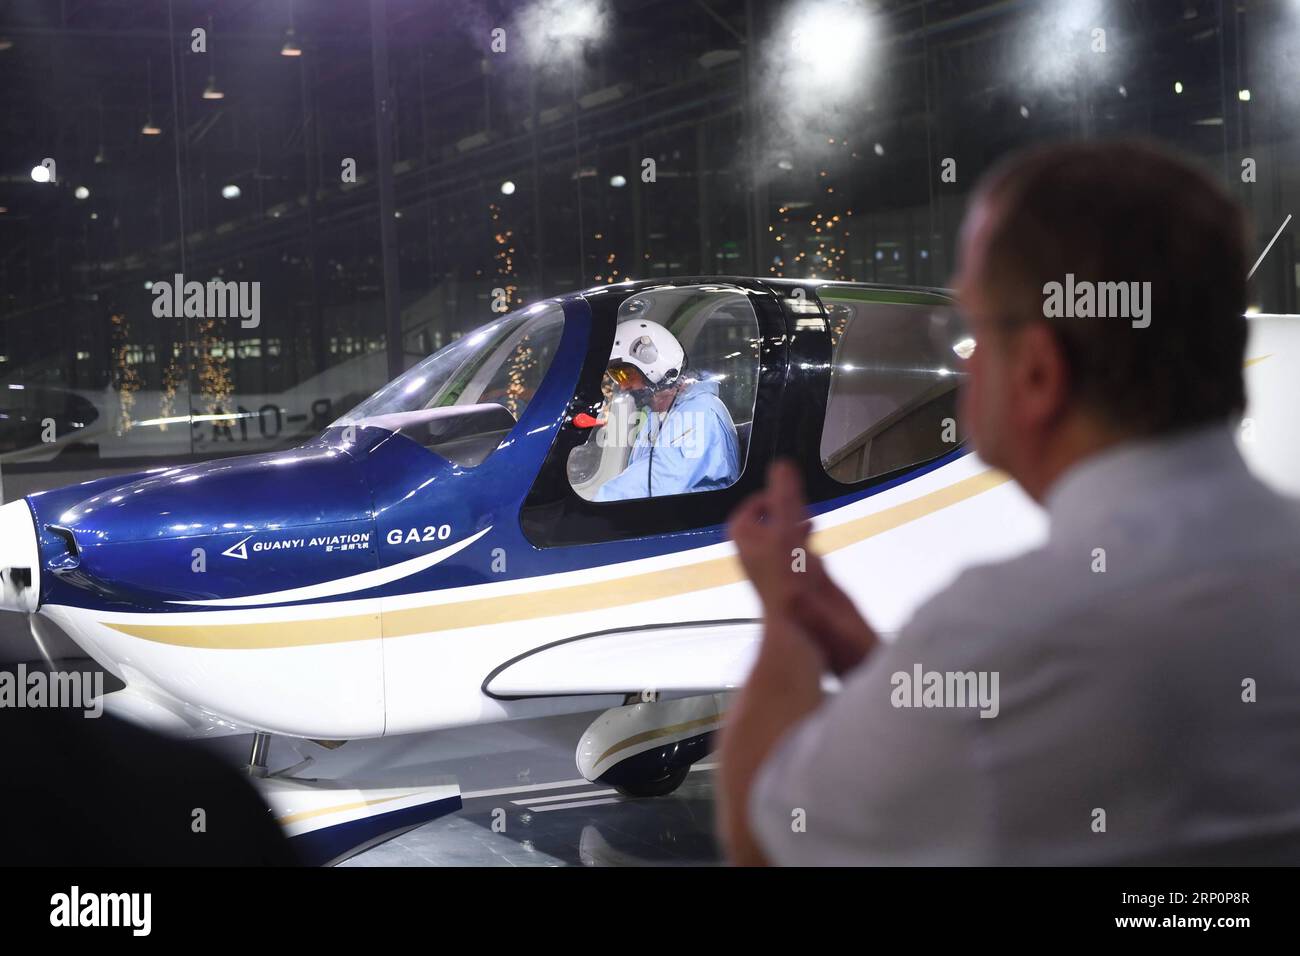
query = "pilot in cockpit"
x=687 y=441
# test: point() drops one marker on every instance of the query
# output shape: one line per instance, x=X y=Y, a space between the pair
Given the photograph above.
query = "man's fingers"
x=747 y=515
x=786 y=507
x=837 y=626
x=816 y=616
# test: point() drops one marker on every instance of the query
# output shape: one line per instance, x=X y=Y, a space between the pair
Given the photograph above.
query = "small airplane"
x=442 y=555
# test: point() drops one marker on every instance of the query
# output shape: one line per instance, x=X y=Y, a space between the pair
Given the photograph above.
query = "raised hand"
x=771 y=530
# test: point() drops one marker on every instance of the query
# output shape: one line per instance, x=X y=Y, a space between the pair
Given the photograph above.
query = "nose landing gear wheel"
x=646 y=747
x=660 y=787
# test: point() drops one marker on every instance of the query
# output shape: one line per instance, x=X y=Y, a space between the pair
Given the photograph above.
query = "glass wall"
x=203 y=253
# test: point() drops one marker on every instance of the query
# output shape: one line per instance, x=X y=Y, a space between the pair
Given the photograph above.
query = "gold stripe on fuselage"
x=569 y=599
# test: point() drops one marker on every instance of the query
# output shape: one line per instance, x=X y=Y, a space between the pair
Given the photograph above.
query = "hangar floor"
x=575 y=824
x=552 y=817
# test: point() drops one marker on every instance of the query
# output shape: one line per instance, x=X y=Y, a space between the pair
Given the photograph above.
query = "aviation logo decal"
x=347 y=585
x=239 y=550
x=355 y=541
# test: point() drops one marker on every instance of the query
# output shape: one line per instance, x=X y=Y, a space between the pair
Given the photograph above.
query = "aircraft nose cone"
x=20 y=585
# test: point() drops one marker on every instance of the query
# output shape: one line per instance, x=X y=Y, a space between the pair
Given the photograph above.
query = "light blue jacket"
x=695 y=449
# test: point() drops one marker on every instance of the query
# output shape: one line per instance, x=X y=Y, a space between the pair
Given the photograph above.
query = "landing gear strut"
x=258 y=754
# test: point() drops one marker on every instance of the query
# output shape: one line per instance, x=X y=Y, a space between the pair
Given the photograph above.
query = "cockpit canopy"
x=898 y=357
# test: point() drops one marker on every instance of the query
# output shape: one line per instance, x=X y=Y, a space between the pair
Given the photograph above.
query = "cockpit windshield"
x=501 y=363
x=463 y=400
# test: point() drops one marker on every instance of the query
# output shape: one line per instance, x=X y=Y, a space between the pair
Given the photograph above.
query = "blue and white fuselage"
x=389 y=577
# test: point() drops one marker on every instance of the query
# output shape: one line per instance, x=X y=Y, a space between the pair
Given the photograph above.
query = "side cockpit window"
x=679 y=388
x=894 y=380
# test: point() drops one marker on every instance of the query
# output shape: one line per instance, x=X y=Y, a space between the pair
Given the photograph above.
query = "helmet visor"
x=627 y=377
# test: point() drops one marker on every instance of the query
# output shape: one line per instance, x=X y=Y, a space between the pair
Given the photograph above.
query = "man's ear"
x=1042 y=375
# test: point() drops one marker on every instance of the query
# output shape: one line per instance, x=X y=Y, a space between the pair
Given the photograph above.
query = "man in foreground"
x=1147 y=712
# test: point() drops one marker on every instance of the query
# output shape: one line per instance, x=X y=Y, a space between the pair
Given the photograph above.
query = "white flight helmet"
x=651 y=348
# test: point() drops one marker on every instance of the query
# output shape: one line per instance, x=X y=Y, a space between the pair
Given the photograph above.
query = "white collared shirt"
x=1147 y=713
